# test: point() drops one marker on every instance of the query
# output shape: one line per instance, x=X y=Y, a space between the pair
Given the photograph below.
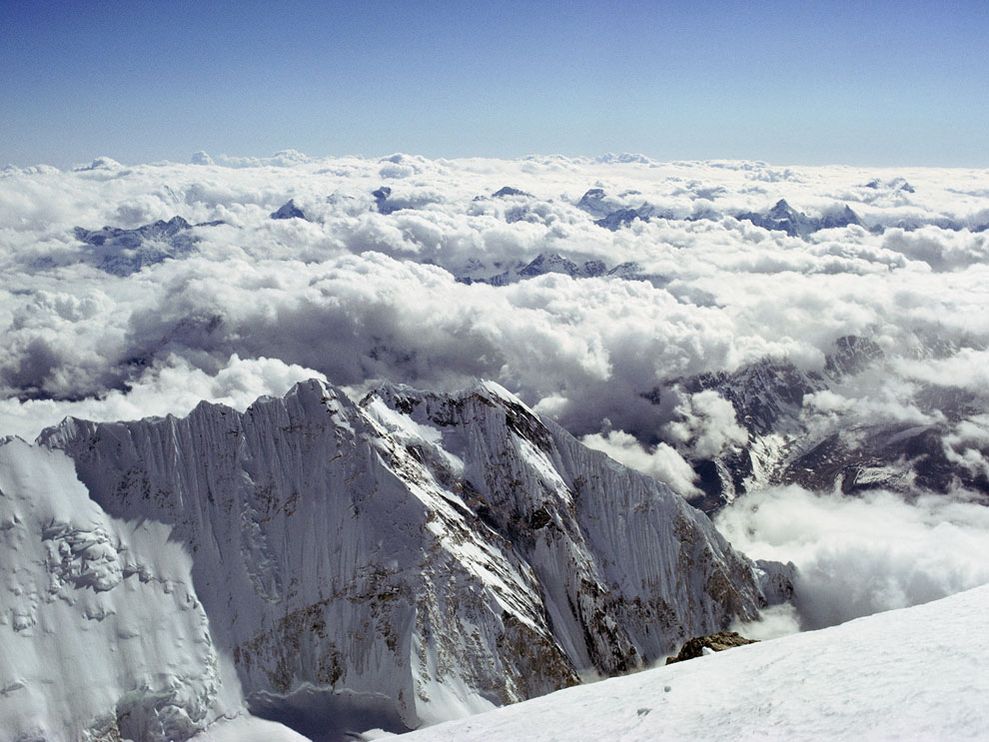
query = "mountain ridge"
x=416 y=566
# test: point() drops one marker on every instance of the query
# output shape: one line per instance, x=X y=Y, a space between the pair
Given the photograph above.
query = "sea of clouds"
x=370 y=288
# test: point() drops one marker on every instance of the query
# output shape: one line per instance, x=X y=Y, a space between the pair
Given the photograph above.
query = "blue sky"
x=898 y=83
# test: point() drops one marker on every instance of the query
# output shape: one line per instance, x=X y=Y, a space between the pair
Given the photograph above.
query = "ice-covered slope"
x=416 y=557
x=101 y=632
x=573 y=515
x=918 y=673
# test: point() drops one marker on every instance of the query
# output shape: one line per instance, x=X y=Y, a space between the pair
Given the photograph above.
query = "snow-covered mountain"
x=913 y=673
x=412 y=558
x=851 y=453
x=126 y=251
x=288 y=210
x=542 y=264
x=784 y=218
x=615 y=213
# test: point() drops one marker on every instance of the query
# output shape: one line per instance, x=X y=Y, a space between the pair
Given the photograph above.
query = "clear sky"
x=858 y=81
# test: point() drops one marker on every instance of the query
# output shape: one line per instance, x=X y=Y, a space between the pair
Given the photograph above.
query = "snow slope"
x=248 y=729
x=101 y=631
x=918 y=673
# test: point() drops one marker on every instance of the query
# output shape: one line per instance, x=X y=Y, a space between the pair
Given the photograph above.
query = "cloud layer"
x=857 y=556
x=397 y=285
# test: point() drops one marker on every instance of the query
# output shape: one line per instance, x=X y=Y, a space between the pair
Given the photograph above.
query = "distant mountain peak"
x=100 y=163
x=126 y=251
x=507 y=191
x=782 y=210
x=288 y=210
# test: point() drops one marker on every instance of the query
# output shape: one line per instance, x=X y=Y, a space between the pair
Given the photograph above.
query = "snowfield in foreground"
x=917 y=673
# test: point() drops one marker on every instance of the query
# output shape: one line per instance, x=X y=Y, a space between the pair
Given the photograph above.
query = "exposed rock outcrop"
x=701 y=645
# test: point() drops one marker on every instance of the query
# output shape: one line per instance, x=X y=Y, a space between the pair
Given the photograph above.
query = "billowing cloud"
x=662 y=462
x=171 y=387
x=860 y=555
x=967 y=443
x=431 y=283
x=677 y=336
x=707 y=425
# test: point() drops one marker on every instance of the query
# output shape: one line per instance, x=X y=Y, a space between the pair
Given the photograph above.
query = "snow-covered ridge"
x=914 y=673
x=418 y=556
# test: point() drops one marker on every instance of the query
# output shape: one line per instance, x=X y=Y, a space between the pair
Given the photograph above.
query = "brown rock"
x=717 y=642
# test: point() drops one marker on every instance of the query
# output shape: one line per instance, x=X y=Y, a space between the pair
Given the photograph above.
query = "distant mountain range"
x=768 y=399
x=125 y=251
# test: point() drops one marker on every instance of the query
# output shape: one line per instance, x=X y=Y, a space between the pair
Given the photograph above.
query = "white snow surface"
x=919 y=673
x=248 y=729
x=100 y=628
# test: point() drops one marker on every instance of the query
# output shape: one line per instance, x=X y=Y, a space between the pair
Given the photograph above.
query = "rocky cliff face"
x=623 y=565
x=417 y=556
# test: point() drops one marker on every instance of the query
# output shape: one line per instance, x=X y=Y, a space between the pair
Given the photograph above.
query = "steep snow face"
x=101 y=632
x=417 y=557
x=328 y=557
x=626 y=568
x=914 y=673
